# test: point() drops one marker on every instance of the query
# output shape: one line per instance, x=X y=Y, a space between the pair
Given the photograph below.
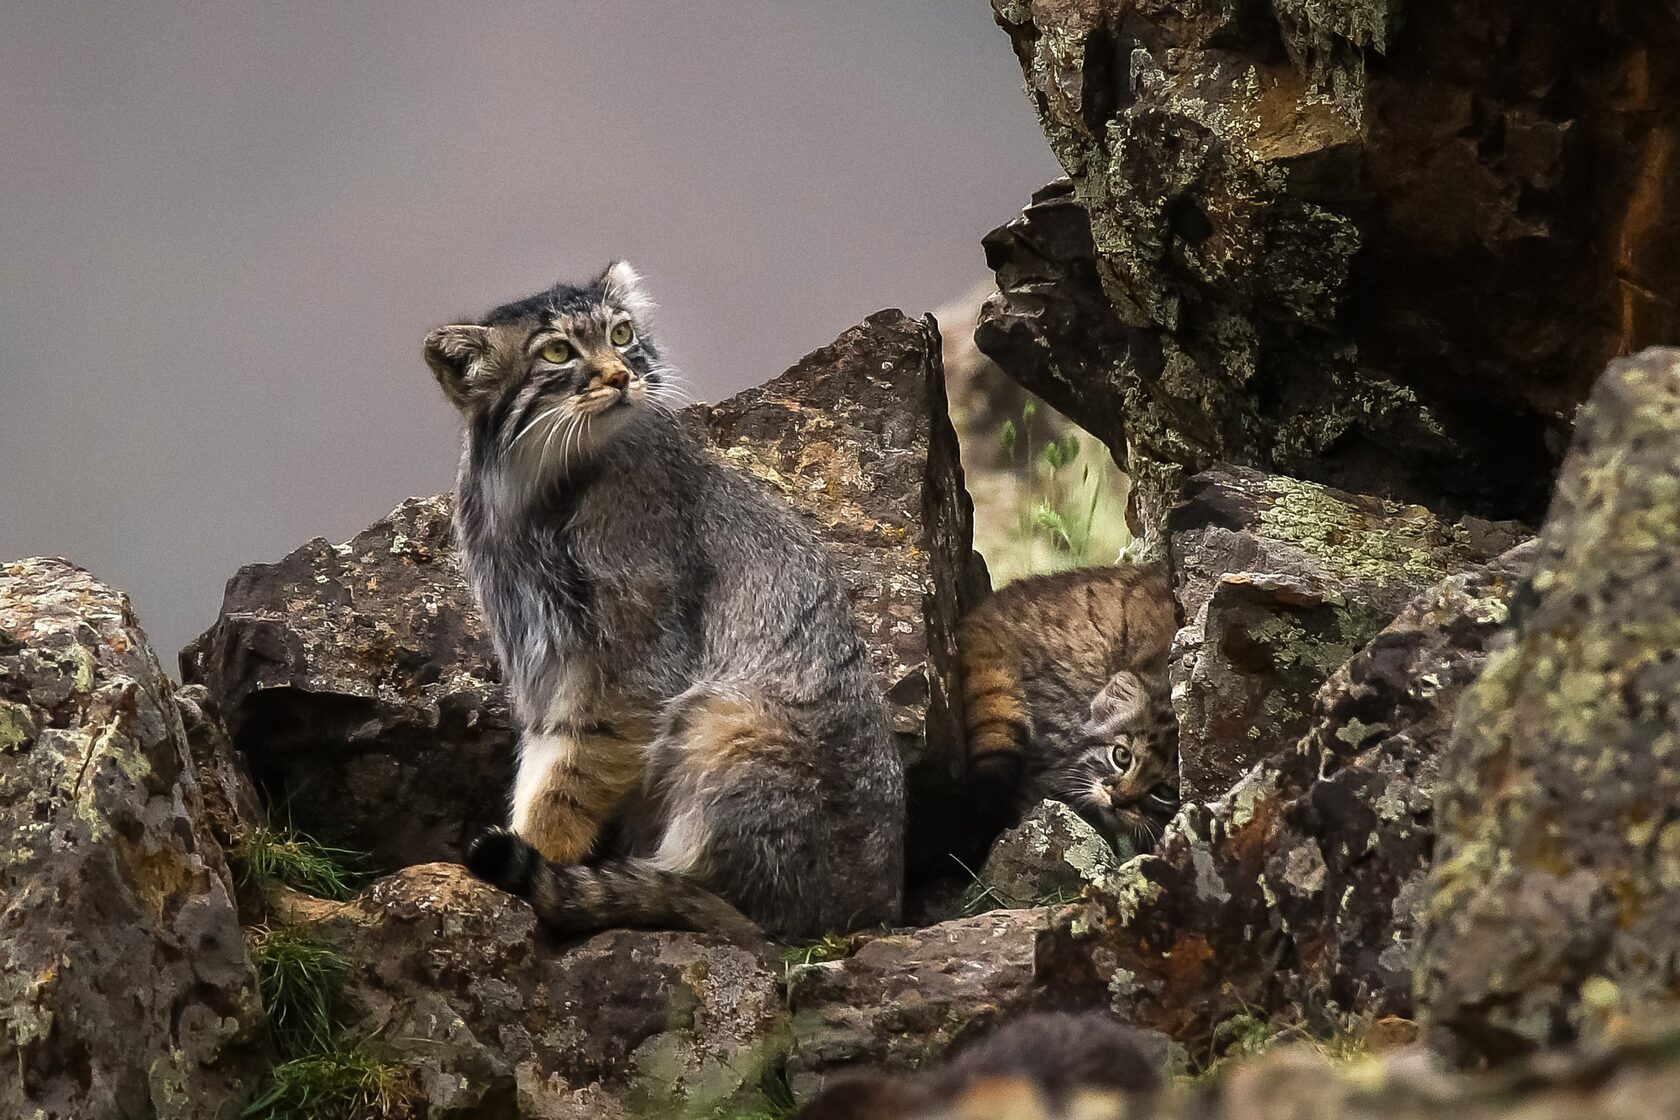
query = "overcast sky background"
x=225 y=227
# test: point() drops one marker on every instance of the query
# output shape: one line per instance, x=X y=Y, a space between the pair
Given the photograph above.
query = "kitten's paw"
x=502 y=859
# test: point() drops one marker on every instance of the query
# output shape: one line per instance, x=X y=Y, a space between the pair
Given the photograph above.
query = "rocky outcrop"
x=1280 y=582
x=125 y=988
x=1555 y=904
x=1049 y=326
x=455 y=984
x=358 y=681
x=901 y=1000
x=1376 y=245
x=1295 y=896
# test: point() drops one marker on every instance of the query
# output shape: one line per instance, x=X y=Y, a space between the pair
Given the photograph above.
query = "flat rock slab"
x=900 y=1001
x=125 y=988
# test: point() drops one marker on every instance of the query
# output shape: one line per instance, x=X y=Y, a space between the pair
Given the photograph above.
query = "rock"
x=1555 y=902
x=358 y=681
x=1049 y=325
x=455 y=981
x=901 y=1000
x=1050 y=857
x=1281 y=582
x=231 y=804
x=125 y=988
x=1637 y=1080
x=1360 y=243
x=1294 y=897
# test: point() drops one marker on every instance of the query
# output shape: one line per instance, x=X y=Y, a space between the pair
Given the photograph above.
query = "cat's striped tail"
x=618 y=893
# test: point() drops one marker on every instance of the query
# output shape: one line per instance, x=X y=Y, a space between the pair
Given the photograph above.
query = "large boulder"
x=1555 y=901
x=1378 y=245
x=358 y=681
x=125 y=988
x=1295 y=896
x=455 y=983
x=1280 y=581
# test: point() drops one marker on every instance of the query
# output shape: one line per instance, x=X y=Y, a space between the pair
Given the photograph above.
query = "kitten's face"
x=547 y=382
x=1125 y=781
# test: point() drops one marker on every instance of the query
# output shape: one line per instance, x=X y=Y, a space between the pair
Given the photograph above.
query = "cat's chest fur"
x=582 y=604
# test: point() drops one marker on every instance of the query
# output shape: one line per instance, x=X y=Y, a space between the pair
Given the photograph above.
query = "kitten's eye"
x=558 y=352
x=623 y=335
x=1121 y=757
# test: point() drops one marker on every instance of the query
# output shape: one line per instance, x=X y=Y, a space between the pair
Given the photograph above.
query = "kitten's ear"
x=459 y=357
x=622 y=284
x=1122 y=704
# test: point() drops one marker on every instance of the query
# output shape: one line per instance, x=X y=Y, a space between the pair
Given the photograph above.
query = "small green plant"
x=302 y=979
x=1249 y=1033
x=270 y=857
x=341 y=1084
x=1055 y=509
x=832 y=947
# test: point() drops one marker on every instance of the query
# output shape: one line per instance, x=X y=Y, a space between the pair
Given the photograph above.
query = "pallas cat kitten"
x=678 y=650
x=1066 y=697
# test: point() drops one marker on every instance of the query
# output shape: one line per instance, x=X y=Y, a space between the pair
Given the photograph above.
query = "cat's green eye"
x=623 y=335
x=1121 y=757
x=559 y=352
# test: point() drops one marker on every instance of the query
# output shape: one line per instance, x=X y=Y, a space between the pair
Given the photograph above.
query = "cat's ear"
x=459 y=358
x=623 y=286
x=1123 y=703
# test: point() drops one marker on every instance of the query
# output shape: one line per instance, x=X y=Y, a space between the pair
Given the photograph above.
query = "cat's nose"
x=615 y=377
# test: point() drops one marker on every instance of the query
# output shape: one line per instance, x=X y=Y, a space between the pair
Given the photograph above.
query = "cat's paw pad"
x=502 y=859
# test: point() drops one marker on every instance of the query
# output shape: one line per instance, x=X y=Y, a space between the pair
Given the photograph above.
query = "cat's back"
x=1090 y=621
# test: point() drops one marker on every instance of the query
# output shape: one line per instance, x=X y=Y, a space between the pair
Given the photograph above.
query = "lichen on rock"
x=1554 y=907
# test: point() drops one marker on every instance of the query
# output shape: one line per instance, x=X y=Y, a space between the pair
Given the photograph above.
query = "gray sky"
x=225 y=227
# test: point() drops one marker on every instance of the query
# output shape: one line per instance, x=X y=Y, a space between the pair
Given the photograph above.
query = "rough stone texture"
x=358 y=681
x=123 y=975
x=1049 y=325
x=1051 y=856
x=457 y=984
x=1556 y=894
x=1295 y=895
x=1281 y=582
x=1380 y=244
x=231 y=804
x=901 y=1000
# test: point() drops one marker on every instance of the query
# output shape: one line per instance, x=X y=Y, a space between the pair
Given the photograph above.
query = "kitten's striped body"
x=1065 y=695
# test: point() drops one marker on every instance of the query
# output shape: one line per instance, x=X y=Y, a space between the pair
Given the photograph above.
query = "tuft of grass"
x=340 y=1084
x=270 y=857
x=302 y=980
x=1055 y=503
x=832 y=947
x=1248 y=1034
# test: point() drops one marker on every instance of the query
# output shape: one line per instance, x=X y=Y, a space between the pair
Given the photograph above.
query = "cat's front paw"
x=502 y=859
